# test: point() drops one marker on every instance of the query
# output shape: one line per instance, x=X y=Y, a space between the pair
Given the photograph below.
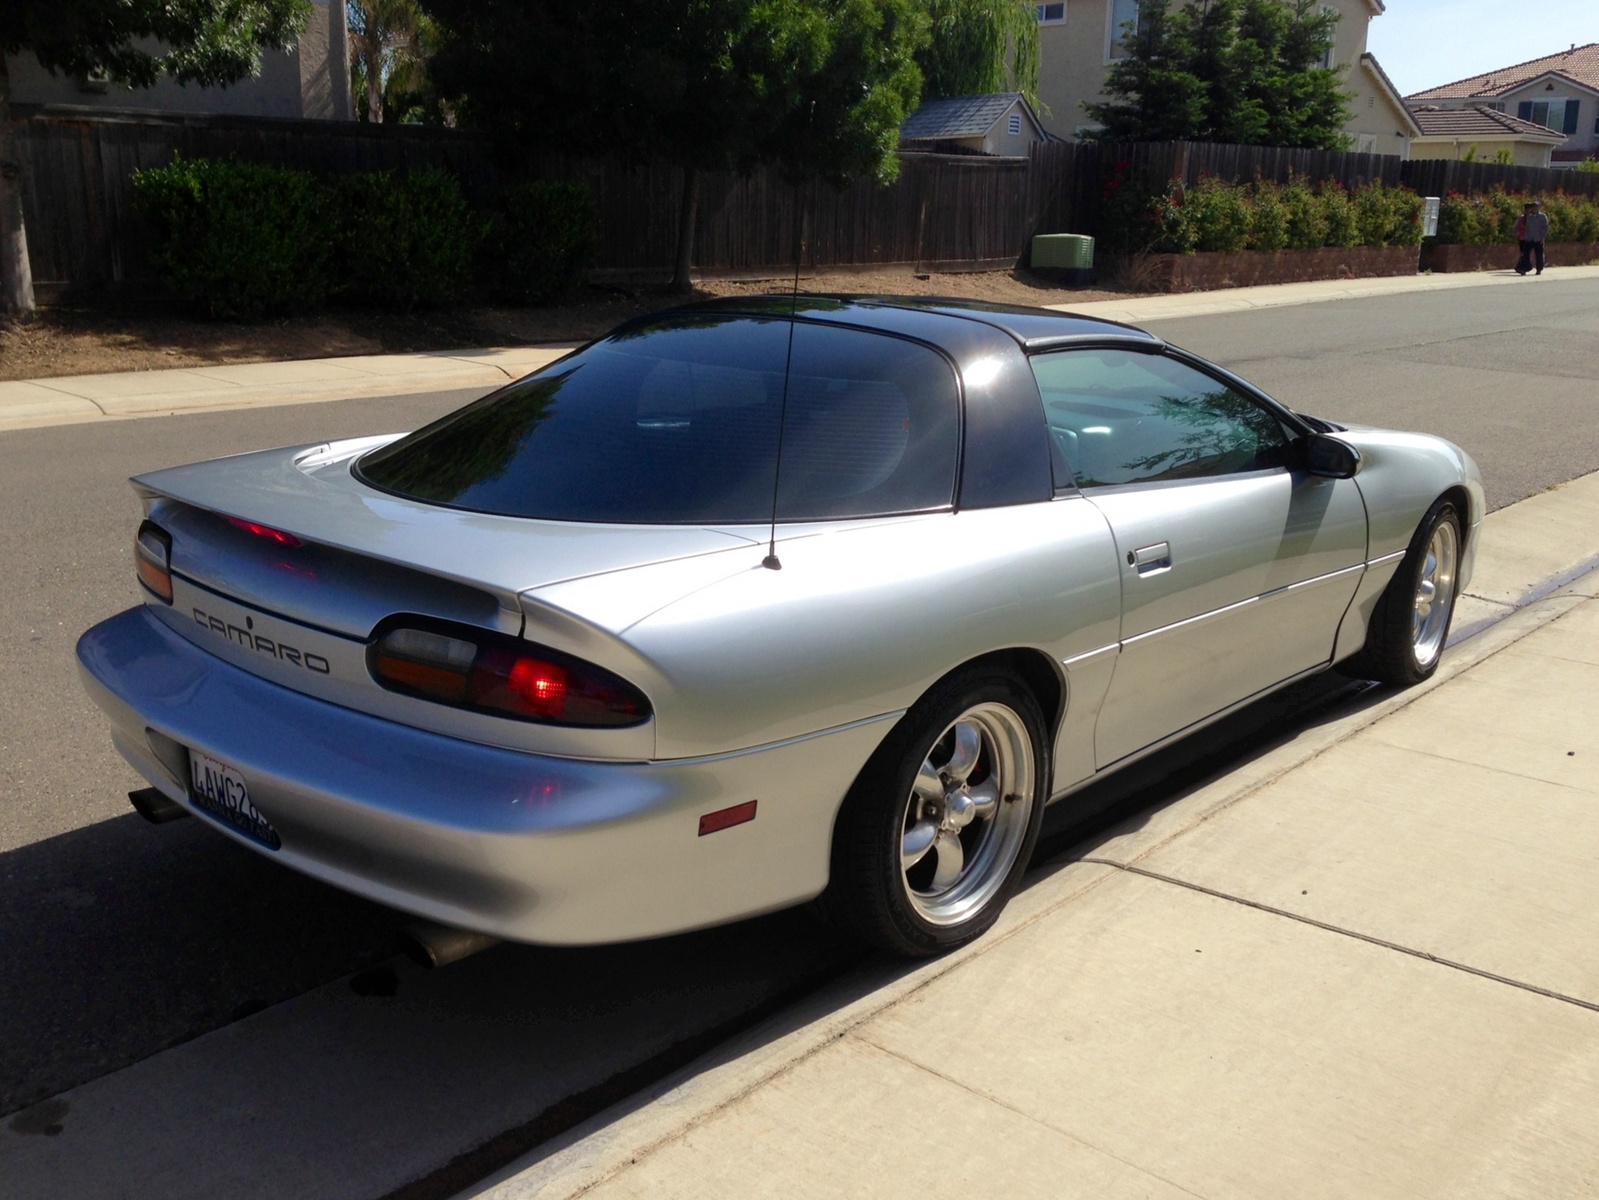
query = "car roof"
x=1032 y=328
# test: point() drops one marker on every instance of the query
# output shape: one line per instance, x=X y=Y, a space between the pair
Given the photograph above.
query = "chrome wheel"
x=968 y=814
x=1435 y=594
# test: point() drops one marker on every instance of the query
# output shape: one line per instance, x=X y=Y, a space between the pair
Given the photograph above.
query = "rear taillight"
x=493 y=673
x=152 y=558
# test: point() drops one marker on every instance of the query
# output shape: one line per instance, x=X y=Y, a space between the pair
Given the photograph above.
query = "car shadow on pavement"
x=320 y=1045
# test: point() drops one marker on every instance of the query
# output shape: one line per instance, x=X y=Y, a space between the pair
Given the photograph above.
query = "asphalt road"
x=122 y=939
x=1506 y=373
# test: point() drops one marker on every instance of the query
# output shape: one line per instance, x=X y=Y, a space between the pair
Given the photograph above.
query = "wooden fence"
x=78 y=165
x=945 y=210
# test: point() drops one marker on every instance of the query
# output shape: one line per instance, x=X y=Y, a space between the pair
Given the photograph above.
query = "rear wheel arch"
x=1461 y=499
x=1035 y=669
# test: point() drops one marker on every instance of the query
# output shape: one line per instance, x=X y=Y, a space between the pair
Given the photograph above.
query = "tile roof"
x=1579 y=64
x=958 y=116
x=1479 y=121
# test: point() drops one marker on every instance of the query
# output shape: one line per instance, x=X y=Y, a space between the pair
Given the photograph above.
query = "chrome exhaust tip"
x=434 y=945
x=155 y=806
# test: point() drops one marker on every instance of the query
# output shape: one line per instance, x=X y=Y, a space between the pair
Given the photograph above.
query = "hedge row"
x=241 y=241
x=1488 y=217
x=1216 y=215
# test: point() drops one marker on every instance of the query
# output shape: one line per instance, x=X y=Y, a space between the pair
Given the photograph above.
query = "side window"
x=1119 y=417
x=872 y=427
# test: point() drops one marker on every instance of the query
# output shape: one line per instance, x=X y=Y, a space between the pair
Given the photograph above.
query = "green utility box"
x=1063 y=251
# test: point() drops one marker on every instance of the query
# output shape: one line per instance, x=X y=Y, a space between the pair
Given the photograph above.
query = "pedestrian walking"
x=1532 y=231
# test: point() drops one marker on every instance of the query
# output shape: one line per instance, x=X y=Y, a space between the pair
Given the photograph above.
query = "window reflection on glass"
x=679 y=422
x=1121 y=417
x=1123 y=24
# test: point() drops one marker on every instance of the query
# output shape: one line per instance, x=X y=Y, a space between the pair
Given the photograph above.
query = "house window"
x=1050 y=14
x=1497 y=106
x=1327 y=55
x=1121 y=23
x=1014 y=125
x=1559 y=115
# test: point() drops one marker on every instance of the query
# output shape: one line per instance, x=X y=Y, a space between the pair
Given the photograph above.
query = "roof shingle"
x=958 y=116
x=1580 y=64
x=1478 y=121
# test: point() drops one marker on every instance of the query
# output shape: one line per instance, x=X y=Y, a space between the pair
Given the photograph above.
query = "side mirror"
x=1330 y=457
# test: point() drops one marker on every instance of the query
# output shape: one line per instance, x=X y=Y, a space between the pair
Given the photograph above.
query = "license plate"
x=219 y=791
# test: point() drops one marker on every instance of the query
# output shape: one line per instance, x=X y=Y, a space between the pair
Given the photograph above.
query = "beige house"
x=1559 y=92
x=312 y=80
x=1079 y=39
x=1483 y=134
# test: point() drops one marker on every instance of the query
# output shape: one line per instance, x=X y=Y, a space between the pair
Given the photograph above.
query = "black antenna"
x=771 y=562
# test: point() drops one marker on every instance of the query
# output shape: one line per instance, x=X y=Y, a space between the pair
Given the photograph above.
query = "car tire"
x=934 y=836
x=1405 y=640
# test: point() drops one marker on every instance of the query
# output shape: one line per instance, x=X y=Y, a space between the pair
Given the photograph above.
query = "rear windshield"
x=681 y=422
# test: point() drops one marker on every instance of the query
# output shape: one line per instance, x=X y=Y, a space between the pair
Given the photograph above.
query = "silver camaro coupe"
x=758 y=602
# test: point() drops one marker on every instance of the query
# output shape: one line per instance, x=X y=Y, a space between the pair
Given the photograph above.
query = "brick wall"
x=1501 y=256
x=1206 y=272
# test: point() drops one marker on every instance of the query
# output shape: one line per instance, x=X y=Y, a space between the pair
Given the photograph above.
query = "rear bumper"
x=519 y=845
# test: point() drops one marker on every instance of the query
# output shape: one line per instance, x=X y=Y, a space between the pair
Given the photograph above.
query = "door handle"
x=1151 y=560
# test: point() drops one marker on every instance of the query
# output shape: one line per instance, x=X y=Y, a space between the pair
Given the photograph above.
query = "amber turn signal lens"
x=152 y=559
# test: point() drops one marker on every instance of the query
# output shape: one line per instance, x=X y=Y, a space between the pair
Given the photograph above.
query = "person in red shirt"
x=1532 y=231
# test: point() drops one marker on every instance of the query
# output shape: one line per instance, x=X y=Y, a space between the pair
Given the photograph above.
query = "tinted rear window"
x=681 y=423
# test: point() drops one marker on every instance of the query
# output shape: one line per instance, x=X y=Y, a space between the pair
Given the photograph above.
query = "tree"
x=1247 y=72
x=1155 y=94
x=390 y=42
x=213 y=42
x=818 y=87
x=980 y=46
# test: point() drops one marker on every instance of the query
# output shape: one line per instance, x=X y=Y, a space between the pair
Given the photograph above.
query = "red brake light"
x=541 y=685
x=489 y=672
x=263 y=531
x=152 y=559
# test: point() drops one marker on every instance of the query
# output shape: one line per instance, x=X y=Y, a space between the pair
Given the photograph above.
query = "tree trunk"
x=16 y=274
x=374 y=92
x=685 y=230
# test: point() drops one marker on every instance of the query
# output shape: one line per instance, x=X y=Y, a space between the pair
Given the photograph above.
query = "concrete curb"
x=1509 y=605
x=73 y=399
x=1200 y=304
x=67 y=400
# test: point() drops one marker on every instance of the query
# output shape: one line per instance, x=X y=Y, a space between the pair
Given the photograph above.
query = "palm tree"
x=390 y=43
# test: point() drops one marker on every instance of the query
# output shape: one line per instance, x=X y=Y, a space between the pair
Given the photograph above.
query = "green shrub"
x=1343 y=229
x=1268 y=223
x=1374 y=214
x=1562 y=210
x=1218 y=214
x=1499 y=211
x=1406 y=228
x=1459 y=223
x=541 y=238
x=405 y=241
x=237 y=240
x=1307 y=216
x=1585 y=226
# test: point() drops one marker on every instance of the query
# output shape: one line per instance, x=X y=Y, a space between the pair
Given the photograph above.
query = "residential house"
x=1559 y=91
x=1483 y=134
x=1003 y=123
x=1079 y=39
x=311 y=80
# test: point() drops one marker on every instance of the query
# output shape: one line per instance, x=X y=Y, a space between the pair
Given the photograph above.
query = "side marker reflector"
x=726 y=818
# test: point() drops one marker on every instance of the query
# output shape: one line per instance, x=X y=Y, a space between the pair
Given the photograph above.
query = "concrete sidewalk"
x=70 y=399
x=1359 y=966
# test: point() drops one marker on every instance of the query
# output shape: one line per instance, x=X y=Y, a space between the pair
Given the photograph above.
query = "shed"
x=1001 y=124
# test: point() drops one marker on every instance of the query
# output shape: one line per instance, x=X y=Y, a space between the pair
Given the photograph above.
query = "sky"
x=1425 y=43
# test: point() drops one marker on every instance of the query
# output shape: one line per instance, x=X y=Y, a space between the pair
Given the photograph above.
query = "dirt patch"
x=149 y=337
